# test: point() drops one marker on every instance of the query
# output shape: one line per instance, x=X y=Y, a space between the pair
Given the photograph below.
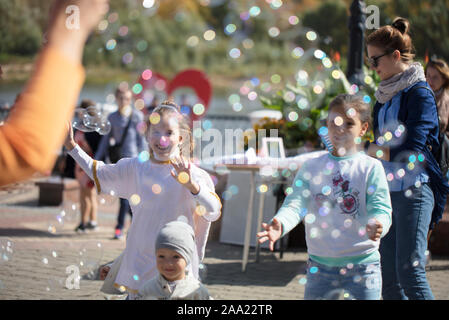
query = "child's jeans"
x=359 y=281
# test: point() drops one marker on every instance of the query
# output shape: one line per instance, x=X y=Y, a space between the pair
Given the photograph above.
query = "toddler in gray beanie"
x=177 y=236
x=174 y=282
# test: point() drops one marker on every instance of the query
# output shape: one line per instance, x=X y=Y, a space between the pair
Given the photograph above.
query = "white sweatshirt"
x=156 y=198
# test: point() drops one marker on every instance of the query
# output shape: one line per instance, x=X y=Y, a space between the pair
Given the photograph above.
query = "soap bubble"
x=104 y=128
x=78 y=121
x=183 y=219
x=6 y=250
x=202 y=272
x=55 y=283
x=89 y=258
x=338 y=294
x=183 y=177
x=338 y=121
x=200 y=210
x=313 y=270
x=56 y=223
x=90 y=120
x=149 y=3
x=108 y=199
x=134 y=199
x=428 y=257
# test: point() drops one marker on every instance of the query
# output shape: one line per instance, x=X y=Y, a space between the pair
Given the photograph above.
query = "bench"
x=54 y=190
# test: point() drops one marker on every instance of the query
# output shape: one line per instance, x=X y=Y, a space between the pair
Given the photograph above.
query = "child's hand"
x=374 y=229
x=182 y=174
x=104 y=272
x=69 y=142
x=272 y=232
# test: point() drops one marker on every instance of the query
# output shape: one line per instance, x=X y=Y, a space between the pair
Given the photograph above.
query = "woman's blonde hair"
x=166 y=107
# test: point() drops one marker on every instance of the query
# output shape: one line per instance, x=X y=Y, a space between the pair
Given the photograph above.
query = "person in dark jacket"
x=405 y=123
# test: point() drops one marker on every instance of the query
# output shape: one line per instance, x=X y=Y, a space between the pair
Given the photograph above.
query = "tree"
x=429 y=22
x=19 y=32
x=330 y=21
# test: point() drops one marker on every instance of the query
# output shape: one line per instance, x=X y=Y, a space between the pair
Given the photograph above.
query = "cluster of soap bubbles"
x=91 y=119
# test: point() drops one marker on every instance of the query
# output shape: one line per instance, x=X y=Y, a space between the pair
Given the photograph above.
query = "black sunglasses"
x=373 y=61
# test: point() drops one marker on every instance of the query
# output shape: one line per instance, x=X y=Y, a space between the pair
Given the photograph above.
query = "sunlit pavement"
x=38 y=255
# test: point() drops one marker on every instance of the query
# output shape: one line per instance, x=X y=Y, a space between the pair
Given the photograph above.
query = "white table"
x=253 y=169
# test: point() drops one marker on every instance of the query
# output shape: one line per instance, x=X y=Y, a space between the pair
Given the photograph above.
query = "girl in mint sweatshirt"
x=343 y=198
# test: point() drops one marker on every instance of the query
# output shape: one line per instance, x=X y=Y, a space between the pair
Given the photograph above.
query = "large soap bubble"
x=91 y=119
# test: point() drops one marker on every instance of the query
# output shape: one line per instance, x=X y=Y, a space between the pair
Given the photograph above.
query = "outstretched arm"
x=32 y=135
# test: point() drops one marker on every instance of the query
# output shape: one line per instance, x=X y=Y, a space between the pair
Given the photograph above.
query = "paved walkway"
x=36 y=249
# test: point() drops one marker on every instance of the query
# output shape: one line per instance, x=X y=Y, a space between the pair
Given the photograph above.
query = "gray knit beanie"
x=177 y=236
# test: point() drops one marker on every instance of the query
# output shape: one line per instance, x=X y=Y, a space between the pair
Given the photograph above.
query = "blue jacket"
x=418 y=113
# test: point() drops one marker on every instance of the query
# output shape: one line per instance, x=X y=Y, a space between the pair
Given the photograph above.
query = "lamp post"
x=356 y=43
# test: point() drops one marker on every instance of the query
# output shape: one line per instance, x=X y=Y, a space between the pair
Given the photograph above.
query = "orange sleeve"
x=37 y=125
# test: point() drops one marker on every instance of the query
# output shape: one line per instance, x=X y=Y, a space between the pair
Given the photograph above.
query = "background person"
x=418 y=195
x=131 y=140
x=437 y=75
x=88 y=141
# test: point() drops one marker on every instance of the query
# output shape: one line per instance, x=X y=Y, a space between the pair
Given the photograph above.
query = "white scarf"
x=389 y=88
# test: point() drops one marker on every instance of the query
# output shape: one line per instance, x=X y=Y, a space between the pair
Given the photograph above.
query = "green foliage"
x=160 y=41
x=330 y=20
x=311 y=107
x=429 y=23
x=19 y=33
x=430 y=29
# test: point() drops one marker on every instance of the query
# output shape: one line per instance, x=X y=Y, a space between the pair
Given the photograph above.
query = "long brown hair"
x=442 y=67
x=394 y=37
x=186 y=147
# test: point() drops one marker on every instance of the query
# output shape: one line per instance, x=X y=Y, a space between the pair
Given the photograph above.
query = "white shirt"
x=156 y=198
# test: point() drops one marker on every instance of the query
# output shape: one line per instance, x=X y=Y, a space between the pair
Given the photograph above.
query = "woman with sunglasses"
x=405 y=124
x=437 y=74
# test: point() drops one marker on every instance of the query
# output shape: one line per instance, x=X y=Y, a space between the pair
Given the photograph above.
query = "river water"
x=219 y=105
